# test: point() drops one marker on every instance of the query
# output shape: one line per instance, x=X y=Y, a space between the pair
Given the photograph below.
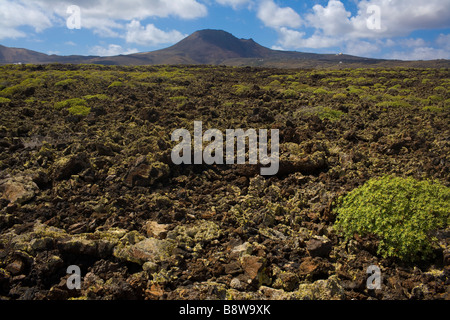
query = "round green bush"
x=401 y=212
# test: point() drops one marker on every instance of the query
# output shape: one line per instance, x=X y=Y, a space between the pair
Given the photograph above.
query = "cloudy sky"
x=400 y=29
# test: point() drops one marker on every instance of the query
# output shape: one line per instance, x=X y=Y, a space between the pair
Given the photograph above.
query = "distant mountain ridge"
x=214 y=47
x=19 y=55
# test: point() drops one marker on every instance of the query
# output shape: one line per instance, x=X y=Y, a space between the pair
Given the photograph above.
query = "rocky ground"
x=86 y=179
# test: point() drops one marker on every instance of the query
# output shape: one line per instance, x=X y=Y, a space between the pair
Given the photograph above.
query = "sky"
x=390 y=29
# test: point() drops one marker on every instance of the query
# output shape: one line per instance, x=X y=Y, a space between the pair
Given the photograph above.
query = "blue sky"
x=393 y=29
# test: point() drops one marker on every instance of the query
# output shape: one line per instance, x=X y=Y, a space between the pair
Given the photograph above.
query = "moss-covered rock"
x=145 y=174
x=18 y=189
x=201 y=231
x=65 y=167
x=149 y=249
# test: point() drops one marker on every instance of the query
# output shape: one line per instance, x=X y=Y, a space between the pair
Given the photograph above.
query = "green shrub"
x=378 y=86
x=440 y=89
x=241 y=89
x=21 y=87
x=320 y=91
x=79 y=110
x=340 y=96
x=275 y=84
x=394 y=104
x=96 y=96
x=401 y=212
x=179 y=99
x=330 y=114
x=4 y=100
x=435 y=98
x=176 y=88
x=64 y=83
x=10 y=91
x=75 y=106
x=70 y=103
x=290 y=94
x=355 y=90
x=116 y=84
x=432 y=109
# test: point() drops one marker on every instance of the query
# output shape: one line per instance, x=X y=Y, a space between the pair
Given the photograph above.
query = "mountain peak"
x=212 y=32
x=213 y=46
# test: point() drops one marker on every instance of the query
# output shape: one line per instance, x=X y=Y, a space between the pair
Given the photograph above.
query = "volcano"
x=216 y=47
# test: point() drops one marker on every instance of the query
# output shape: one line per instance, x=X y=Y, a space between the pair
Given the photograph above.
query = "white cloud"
x=443 y=41
x=421 y=53
x=111 y=50
x=14 y=15
x=235 y=4
x=129 y=10
x=401 y=17
x=411 y=42
x=289 y=38
x=419 y=49
x=279 y=48
x=274 y=16
x=334 y=25
x=105 y=18
x=332 y=19
x=150 y=35
x=362 y=48
x=293 y=39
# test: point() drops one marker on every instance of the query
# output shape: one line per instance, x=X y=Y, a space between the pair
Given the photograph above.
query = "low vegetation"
x=403 y=213
x=86 y=179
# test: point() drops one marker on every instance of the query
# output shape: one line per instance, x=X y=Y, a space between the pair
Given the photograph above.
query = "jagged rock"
x=255 y=269
x=18 y=189
x=15 y=267
x=319 y=246
x=293 y=159
x=314 y=267
x=233 y=268
x=155 y=230
x=328 y=289
x=65 y=167
x=287 y=281
x=235 y=283
x=149 y=114
x=150 y=249
x=240 y=250
x=144 y=174
x=201 y=231
x=41 y=244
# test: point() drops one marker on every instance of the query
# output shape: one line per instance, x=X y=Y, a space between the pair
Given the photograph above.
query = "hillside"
x=216 y=47
x=87 y=180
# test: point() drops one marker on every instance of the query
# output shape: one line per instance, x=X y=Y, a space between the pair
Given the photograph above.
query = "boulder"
x=294 y=159
x=147 y=250
x=201 y=231
x=65 y=167
x=144 y=174
x=319 y=246
x=18 y=189
x=154 y=229
x=255 y=269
